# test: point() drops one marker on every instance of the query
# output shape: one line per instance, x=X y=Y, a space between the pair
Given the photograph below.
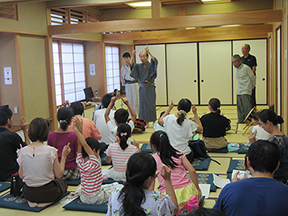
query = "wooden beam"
x=188 y=33
x=79 y=3
x=156 y=8
x=203 y=38
x=246 y=17
x=182 y=10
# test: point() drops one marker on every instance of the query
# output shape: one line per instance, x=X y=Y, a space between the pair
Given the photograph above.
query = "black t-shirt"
x=9 y=143
x=250 y=61
x=214 y=125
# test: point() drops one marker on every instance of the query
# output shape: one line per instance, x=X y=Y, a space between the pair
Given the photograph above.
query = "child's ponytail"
x=123 y=132
x=161 y=142
x=184 y=106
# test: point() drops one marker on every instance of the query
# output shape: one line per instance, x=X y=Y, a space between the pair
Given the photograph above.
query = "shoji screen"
x=259 y=50
x=182 y=72
x=215 y=71
x=159 y=52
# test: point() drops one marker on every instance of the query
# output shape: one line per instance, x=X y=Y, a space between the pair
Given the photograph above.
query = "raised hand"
x=136 y=144
x=194 y=109
x=66 y=150
x=147 y=49
x=77 y=124
x=165 y=172
x=133 y=52
x=171 y=105
x=125 y=101
x=23 y=123
x=252 y=137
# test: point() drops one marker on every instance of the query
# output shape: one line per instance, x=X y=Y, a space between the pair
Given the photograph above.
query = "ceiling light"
x=215 y=1
x=140 y=4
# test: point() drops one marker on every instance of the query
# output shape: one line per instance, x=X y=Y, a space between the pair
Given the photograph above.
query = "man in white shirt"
x=246 y=81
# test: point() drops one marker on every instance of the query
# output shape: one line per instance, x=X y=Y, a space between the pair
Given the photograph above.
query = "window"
x=69 y=71
x=9 y=11
x=112 y=68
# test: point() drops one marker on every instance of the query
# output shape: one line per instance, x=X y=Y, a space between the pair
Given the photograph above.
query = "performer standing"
x=146 y=73
x=131 y=85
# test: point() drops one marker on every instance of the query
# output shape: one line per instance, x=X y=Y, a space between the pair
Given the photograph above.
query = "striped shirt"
x=120 y=157
x=91 y=174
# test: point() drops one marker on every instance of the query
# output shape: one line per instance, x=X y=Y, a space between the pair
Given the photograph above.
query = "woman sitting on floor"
x=214 y=126
x=39 y=166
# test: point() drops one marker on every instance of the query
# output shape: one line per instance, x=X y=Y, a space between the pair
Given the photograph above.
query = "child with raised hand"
x=180 y=129
x=60 y=137
x=178 y=163
x=90 y=168
x=119 y=152
x=120 y=116
x=135 y=198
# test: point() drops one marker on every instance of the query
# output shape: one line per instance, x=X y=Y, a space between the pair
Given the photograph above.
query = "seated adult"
x=100 y=122
x=261 y=194
x=9 y=143
x=89 y=128
x=39 y=166
x=269 y=121
x=214 y=126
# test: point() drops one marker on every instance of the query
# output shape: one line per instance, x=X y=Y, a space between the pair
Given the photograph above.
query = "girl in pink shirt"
x=119 y=152
x=178 y=163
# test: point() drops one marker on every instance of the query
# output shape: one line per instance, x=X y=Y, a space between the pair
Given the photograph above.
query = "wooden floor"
x=224 y=158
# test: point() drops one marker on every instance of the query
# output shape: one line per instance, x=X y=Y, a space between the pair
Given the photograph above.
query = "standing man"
x=131 y=85
x=146 y=73
x=246 y=81
x=251 y=61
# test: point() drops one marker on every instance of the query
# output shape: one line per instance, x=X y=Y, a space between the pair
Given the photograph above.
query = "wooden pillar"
x=101 y=71
x=156 y=8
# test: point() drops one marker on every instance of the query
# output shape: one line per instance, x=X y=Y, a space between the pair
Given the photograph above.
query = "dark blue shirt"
x=250 y=61
x=254 y=197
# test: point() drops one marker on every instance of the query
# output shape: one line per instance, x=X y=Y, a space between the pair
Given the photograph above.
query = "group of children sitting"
x=73 y=152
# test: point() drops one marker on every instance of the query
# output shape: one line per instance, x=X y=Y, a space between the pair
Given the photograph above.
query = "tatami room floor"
x=224 y=158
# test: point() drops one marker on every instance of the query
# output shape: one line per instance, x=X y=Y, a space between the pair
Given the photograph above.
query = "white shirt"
x=179 y=135
x=100 y=122
x=112 y=128
x=261 y=133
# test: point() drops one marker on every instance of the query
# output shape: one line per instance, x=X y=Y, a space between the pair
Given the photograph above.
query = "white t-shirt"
x=261 y=133
x=112 y=128
x=37 y=164
x=179 y=135
x=100 y=122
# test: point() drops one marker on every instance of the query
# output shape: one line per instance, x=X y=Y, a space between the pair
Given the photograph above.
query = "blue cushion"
x=222 y=150
x=207 y=178
x=4 y=186
x=77 y=205
x=243 y=149
x=73 y=182
x=146 y=148
x=236 y=164
x=18 y=203
x=201 y=164
x=110 y=181
x=233 y=147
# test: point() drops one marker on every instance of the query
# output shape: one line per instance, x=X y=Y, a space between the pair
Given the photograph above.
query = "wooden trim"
x=155 y=8
x=51 y=82
x=182 y=10
x=23 y=32
x=189 y=33
x=246 y=17
x=20 y=75
x=77 y=40
x=203 y=38
x=101 y=67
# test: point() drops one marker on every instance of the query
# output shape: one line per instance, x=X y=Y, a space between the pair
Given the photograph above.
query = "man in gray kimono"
x=131 y=85
x=146 y=73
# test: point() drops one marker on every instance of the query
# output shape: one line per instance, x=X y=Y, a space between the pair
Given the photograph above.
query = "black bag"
x=199 y=150
x=16 y=185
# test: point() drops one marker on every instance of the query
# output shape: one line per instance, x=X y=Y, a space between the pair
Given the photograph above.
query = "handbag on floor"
x=16 y=185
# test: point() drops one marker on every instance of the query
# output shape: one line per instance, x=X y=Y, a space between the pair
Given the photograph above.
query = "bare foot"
x=32 y=204
x=43 y=204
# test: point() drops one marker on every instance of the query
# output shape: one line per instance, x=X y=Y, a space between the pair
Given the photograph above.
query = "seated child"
x=60 y=138
x=120 y=116
x=90 y=191
x=183 y=186
x=157 y=126
x=214 y=126
x=40 y=169
x=119 y=152
x=135 y=198
x=260 y=132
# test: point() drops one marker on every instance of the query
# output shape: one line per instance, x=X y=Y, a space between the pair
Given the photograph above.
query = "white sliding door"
x=159 y=52
x=182 y=72
x=259 y=50
x=215 y=71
